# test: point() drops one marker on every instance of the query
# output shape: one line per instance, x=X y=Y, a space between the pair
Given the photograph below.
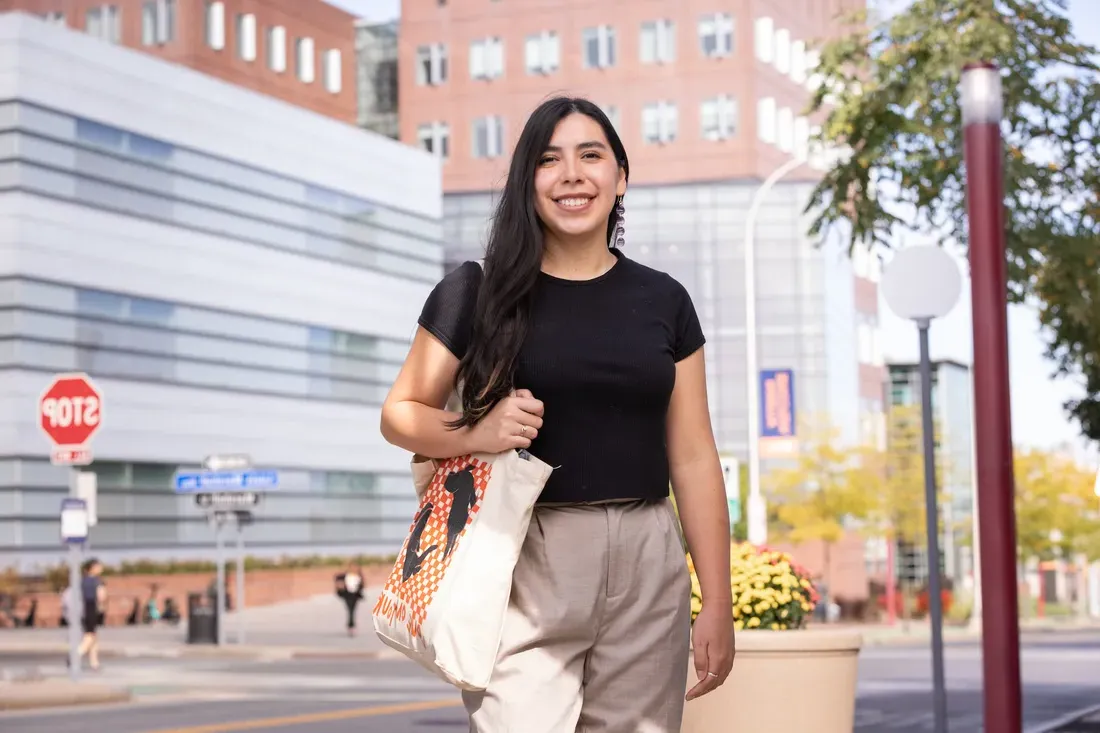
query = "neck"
x=576 y=259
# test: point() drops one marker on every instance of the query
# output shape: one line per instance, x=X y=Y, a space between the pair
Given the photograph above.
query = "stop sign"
x=70 y=410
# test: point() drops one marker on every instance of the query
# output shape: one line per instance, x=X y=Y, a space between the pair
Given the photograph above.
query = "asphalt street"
x=341 y=696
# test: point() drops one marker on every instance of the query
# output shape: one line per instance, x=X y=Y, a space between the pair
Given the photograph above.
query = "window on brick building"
x=304 y=60
x=488 y=137
x=215 y=25
x=431 y=65
x=104 y=22
x=764 y=39
x=599 y=47
x=333 y=70
x=785 y=130
x=718 y=116
x=487 y=58
x=246 y=36
x=658 y=42
x=276 y=48
x=783 y=50
x=158 y=22
x=435 y=137
x=660 y=123
x=716 y=35
x=542 y=53
x=613 y=115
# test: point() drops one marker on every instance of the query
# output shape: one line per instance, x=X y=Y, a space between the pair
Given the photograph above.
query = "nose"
x=571 y=171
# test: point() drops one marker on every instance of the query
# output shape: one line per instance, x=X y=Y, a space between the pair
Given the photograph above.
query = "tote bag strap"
x=423 y=469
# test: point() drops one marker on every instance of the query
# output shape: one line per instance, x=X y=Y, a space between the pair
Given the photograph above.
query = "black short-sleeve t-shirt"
x=601 y=354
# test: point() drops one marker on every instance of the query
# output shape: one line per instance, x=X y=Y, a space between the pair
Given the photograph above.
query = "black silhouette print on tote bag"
x=460 y=484
x=414 y=558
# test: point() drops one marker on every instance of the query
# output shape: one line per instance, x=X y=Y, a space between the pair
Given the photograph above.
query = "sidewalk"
x=314 y=627
x=921 y=631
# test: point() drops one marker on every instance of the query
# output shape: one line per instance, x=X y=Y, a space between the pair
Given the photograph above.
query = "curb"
x=918 y=639
x=229 y=651
x=1052 y=726
x=33 y=695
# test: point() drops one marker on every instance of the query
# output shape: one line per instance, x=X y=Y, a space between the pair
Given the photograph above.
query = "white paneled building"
x=238 y=276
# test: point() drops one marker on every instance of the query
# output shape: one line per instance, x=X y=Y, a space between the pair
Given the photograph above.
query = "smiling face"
x=577 y=180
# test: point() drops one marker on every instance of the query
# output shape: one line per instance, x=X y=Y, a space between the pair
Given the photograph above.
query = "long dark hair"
x=513 y=259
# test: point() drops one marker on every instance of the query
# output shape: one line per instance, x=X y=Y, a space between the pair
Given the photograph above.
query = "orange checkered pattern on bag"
x=448 y=507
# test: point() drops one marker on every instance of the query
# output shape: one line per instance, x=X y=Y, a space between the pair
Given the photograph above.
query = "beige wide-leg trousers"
x=597 y=630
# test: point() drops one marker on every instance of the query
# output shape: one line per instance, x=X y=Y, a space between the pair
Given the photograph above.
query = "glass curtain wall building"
x=951 y=410
x=806 y=317
x=236 y=274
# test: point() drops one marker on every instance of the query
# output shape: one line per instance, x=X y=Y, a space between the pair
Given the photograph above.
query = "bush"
x=770 y=591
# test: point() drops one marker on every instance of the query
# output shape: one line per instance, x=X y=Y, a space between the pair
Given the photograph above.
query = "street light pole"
x=932 y=527
x=982 y=109
x=755 y=511
x=922 y=283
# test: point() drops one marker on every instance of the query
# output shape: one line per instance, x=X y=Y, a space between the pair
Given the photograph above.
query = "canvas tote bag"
x=443 y=605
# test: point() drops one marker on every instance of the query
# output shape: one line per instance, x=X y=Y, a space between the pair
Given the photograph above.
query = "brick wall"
x=262 y=588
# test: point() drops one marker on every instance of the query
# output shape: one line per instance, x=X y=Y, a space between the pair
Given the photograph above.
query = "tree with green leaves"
x=888 y=92
x=894 y=479
x=1056 y=511
x=812 y=497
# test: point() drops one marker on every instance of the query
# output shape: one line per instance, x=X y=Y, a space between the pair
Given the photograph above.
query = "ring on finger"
x=523 y=431
x=711 y=674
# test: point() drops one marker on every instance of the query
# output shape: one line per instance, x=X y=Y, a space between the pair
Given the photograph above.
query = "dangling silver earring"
x=618 y=237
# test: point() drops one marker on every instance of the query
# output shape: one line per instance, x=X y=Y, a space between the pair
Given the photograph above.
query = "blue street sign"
x=213 y=482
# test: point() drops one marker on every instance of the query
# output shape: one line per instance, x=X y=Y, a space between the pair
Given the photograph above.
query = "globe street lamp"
x=921 y=283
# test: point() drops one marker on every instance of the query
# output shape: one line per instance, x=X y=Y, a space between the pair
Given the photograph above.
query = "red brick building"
x=300 y=51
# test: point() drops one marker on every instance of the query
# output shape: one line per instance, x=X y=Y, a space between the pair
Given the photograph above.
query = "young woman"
x=594 y=362
x=93 y=595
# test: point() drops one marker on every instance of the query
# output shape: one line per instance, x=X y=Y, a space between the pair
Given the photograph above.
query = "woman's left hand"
x=712 y=638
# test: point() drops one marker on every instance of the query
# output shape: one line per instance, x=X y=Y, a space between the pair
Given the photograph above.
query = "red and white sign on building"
x=70 y=412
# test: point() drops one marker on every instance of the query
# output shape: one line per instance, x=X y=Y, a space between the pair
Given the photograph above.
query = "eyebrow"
x=583 y=146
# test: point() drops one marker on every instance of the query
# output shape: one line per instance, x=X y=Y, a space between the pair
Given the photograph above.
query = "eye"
x=591 y=156
x=546 y=159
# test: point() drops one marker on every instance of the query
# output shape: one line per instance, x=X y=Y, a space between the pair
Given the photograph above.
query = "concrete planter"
x=782 y=681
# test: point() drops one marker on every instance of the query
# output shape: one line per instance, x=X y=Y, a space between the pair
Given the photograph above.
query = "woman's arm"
x=413 y=416
x=701 y=501
x=697 y=480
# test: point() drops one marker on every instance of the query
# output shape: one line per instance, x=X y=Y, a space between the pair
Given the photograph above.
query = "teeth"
x=573 y=202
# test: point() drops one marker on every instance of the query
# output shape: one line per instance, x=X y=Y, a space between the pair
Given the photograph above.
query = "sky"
x=1038 y=419
x=374 y=10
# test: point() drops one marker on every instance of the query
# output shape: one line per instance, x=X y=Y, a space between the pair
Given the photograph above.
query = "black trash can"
x=202 y=619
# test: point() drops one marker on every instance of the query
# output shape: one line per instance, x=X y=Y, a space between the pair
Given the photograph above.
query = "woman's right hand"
x=512 y=423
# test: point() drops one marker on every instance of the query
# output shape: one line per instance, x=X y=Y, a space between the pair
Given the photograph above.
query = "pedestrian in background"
x=349 y=587
x=94 y=595
x=563 y=345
